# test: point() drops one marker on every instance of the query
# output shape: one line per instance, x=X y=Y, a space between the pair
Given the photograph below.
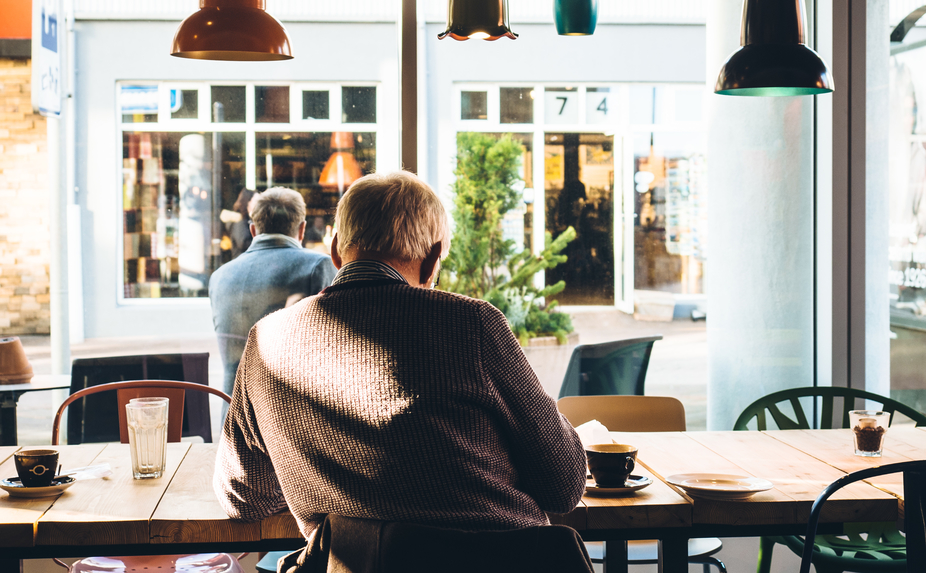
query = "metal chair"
x=175 y=391
x=102 y=425
x=610 y=368
x=914 y=490
x=639 y=414
x=869 y=547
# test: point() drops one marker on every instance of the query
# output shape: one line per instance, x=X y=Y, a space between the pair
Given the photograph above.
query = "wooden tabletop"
x=180 y=507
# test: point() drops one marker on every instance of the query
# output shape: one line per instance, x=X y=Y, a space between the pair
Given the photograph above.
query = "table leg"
x=914 y=519
x=8 y=418
x=673 y=555
x=615 y=557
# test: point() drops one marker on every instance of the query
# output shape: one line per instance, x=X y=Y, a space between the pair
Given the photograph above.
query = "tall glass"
x=868 y=429
x=147 y=424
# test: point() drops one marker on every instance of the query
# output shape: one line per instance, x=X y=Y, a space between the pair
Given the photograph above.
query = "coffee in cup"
x=36 y=468
x=610 y=464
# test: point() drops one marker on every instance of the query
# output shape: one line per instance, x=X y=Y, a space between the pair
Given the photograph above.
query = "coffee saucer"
x=15 y=488
x=632 y=484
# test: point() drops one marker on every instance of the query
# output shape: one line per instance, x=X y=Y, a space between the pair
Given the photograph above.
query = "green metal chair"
x=864 y=547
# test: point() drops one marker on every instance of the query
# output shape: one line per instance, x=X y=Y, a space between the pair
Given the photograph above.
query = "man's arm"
x=545 y=448
x=244 y=479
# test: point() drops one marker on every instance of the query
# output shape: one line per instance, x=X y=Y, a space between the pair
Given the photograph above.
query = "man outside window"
x=273 y=273
x=382 y=398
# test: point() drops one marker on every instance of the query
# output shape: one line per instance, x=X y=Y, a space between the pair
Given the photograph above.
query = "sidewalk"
x=678 y=366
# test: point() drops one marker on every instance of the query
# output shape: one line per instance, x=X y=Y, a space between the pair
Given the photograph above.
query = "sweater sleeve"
x=244 y=479
x=545 y=448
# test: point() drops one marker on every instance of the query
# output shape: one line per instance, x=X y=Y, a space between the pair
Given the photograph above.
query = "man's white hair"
x=395 y=214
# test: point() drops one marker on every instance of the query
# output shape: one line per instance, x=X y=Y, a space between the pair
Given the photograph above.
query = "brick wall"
x=24 y=241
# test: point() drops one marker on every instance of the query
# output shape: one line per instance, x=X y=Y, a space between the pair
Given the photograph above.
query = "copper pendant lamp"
x=774 y=59
x=342 y=168
x=478 y=19
x=235 y=30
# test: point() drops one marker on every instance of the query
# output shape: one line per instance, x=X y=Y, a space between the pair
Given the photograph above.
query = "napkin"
x=593 y=432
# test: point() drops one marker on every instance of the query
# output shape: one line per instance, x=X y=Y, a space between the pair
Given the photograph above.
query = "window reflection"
x=271 y=104
x=358 y=104
x=517 y=105
x=228 y=104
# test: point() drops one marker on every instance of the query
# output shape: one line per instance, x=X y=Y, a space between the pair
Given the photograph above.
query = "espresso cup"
x=610 y=464
x=36 y=468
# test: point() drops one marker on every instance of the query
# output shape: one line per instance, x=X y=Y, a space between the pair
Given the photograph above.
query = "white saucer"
x=720 y=486
x=632 y=484
x=16 y=489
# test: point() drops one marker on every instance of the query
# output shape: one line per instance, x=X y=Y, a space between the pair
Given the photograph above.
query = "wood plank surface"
x=798 y=478
x=119 y=507
x=189 y=511
x=280 y=526
x=19 y=515
x=657 y=505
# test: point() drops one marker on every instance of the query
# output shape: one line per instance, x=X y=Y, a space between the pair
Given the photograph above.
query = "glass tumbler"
x=147 y=425
x=868 y=429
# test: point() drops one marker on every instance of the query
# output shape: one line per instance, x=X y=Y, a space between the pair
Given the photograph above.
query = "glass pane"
x=173 y=203
x=314 y=164
x=561 y=105
x=907 y=228
x=647 y=104
x=228 y=104
x=315 y=105
x=670 y=227
x=139 y=104
x=579 y=193
x=184 y=104
x=271 y=104
x=474 y=105
x=358 y=104
x=517 y=105
x=600 y=106
x=688 y=104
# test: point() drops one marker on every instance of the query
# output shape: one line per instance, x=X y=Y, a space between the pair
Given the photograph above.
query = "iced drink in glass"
x=147 y=425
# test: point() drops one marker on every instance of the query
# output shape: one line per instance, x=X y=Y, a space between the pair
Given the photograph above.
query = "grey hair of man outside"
x=277 y=210
x=394 y=214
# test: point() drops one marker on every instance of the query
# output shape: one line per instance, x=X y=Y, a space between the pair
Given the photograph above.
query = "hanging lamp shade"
x=236 y=30
x=575 y=17
x=477 y=19
x=342 y=168
x=774 y=59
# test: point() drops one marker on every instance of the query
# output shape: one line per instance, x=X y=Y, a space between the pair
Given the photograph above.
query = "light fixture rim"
x=283 y=48
x=784 y=54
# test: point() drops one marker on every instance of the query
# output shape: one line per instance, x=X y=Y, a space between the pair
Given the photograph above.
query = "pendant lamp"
x=478 y=19
x=575 y=17
x=236 y=30
x=774 y=59
x=342 y=168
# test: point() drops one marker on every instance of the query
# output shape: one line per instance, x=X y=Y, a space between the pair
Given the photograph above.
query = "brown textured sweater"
x=378 y=400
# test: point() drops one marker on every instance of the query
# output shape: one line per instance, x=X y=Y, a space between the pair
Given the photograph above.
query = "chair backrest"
x=626 y=413
x=914 y=494
x=173 y=390
x=786 y=409
x=351 y=544
x=610 y=368
x=102 y=425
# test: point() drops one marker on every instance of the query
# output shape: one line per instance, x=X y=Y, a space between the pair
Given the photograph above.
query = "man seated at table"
x=382 y=398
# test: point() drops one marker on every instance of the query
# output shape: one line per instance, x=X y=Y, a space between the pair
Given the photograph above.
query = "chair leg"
x=766 y=545
x=707 y=561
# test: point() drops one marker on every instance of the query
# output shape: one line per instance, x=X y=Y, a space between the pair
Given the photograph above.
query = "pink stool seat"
x=195 y=563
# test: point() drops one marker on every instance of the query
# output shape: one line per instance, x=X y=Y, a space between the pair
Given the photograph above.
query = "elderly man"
x=273 y=272
x=381 y=398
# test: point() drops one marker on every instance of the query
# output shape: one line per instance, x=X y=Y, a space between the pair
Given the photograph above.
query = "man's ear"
x=300 y=233
x=253 y=229
x=429 y=264
x=335 y=255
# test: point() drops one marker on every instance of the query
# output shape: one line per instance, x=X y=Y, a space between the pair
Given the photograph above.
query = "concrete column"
x=761 y=220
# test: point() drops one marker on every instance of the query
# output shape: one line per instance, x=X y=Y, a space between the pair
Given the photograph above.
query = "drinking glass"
x=868 y=429
x=147 y=425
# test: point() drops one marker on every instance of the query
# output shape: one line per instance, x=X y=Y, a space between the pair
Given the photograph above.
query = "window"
x=187 y=176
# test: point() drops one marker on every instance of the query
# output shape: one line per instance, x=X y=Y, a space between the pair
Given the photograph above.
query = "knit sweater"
x=375 y=399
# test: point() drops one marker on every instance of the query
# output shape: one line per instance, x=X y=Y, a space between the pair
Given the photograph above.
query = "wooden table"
x=179 y=513
x=9 y=397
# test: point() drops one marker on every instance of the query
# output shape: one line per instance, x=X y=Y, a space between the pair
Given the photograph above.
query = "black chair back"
x=610 y=368
x=103 y=424
x=914 y=487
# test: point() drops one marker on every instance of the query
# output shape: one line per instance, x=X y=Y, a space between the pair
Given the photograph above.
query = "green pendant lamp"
x=774 y=60
x=575 y=17
x=478 y=19
x=235 y=30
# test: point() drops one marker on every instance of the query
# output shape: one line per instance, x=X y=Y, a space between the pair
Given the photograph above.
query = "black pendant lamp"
x=478 y=19
x=575 y=17
x=236 y=30
x=774 y=60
